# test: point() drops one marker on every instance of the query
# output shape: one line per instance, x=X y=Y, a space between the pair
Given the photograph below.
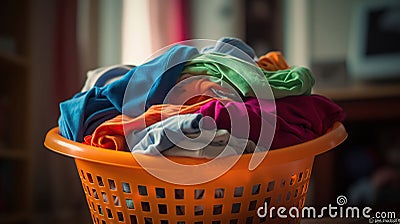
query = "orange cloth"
x=273 y=61
x=194 y=89
x=110 y=134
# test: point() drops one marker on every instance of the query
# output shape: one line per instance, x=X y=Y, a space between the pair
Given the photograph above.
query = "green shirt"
x=249 y=79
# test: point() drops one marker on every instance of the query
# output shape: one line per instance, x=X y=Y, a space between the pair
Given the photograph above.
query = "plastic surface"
x=119 y=190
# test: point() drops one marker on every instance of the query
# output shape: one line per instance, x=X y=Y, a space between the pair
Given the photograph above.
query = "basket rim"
x=57 y=143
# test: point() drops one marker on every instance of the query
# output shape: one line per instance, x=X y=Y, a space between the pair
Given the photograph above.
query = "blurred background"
x=47 y=46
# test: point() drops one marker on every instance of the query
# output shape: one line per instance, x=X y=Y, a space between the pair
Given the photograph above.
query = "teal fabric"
x=248 y=78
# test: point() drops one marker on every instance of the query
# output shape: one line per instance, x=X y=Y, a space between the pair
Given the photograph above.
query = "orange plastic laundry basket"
x=119 y=190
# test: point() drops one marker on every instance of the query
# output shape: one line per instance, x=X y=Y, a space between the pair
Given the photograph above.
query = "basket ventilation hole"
x=255 y=189
x=235 y=208
x=198 y=210
x=94 y=207
x=292 y=179
x=145 y=206
x=180 y=210
x=142 y=190
x=249 y=220
x=100 y=209
x=88 y=190
x=111 y=183
x=296 y=193
x=300 y=176
x=233 y=221
x=216 y=222
x=120 y=216
x=219 y=193
x=288 y=196
x=179 y=194
x=271 y=186
x=164 y=222
x=89 y=176
x=95 y=194
x=238 y=192
x=217 y=209
x=126 y=187
x=133 y=219
x=268 y=201
x=100 y=181
x=160 y=192
x=104 y=195
x=129 y=203
x=252 y=205
x=116 y=201
x=83 y=175
x=162 y=209
x=148 y=220
x=180 y=222
x=198 y=193
x=198 y=222
x=109 y=213
x=103 y=222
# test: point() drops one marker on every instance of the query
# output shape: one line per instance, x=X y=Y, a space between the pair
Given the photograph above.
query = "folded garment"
x=272 y=61
x=104 y=75
x=222 y=144
x=111 y=134
x=298 y=119
x=142 y=86
x=232 y=46
x=249 y=80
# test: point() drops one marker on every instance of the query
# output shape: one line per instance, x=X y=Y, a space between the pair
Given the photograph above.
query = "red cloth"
x=298 y=118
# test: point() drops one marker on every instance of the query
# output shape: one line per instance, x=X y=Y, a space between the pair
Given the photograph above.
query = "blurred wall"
x=57 y=193
x=330 y=26
x=213 y=19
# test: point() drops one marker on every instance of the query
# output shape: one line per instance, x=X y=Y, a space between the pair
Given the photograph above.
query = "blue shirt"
x=135 y=92
x=234 y=47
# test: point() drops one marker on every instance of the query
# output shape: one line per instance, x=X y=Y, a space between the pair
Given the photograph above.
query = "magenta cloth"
x=298 y=118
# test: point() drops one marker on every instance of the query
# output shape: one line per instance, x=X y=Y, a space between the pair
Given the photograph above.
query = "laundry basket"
x=119 y=190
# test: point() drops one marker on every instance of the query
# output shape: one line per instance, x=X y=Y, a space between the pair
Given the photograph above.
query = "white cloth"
x=221 y=142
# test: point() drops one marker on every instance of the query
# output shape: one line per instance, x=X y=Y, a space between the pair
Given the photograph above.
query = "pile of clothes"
x=199 y=103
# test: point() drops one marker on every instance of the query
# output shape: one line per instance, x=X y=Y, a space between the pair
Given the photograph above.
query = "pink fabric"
x=298 y=118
